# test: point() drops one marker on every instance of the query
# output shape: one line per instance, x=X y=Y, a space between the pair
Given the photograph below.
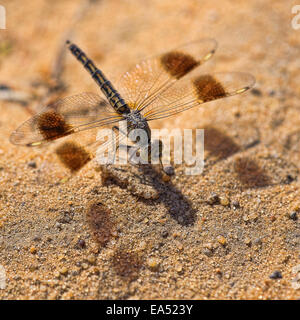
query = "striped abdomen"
x=107 y=88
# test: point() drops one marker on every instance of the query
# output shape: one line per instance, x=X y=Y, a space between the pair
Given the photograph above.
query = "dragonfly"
x=156 y=88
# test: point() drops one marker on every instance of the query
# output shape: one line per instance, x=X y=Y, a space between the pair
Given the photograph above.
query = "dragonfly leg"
x=117 y=129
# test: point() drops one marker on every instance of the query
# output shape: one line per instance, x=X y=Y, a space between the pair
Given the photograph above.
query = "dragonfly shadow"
x=178 y=205
x=218 y=144
x=250 y=173
x=127 y=264
x=100 y=223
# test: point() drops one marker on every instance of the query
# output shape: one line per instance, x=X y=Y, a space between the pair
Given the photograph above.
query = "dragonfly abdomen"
x=105 y=85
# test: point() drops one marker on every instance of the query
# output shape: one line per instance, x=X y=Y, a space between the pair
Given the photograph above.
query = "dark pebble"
x=213 y=199
x=257 y=242
x=31 y=164
x=164 y=234
x=256 y=92
x=207 y=252
x=237 y=114
x=236 y=205
x=169 y=170
x=276 y=275
x=81 y=243
x=293 y=215
x=289 y=179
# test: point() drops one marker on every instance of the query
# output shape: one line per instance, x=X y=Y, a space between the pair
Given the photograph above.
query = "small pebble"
x=209 y=246
x=149 y=195
x=257 y=242
x=114 y=233
x=33 y=250
x=61 y=257
x=91 y=259
x=153 y=263
x=293 y=215
x=81 y=243
x=276 y=275
x=256 y=92
x=207 y=252
x=169 y=170
x=85 y=266
x=56 y=274
x=31 y=164
x=96 y=270
x=63 y=271
x=222 y=240
x=227 y=276
x=218 y=271
x=143 y=245
x=289 y=179
x=178 y=267
x=224 y=201
x=248 y=241
x=165 y=234
x=236 y=205
x=213 y=199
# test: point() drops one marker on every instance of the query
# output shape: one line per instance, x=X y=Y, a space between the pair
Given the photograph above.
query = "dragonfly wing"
x=197 y=89
x=146 y=81
x=79 y=148
x=66 y=116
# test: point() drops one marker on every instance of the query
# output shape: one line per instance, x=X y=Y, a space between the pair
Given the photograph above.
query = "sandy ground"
x=108 y=235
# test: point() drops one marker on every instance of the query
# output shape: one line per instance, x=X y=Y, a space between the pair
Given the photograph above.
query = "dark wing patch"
x=52 y=125
x=208 y=88
x=178 y=64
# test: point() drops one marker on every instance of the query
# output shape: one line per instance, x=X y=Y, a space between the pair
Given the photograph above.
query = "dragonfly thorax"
x=135 y=120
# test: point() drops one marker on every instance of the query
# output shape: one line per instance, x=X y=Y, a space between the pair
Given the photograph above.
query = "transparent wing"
x=146 y=81
x=66 y=116
x=98 y=142
x=195 y=90
x=83 y=124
